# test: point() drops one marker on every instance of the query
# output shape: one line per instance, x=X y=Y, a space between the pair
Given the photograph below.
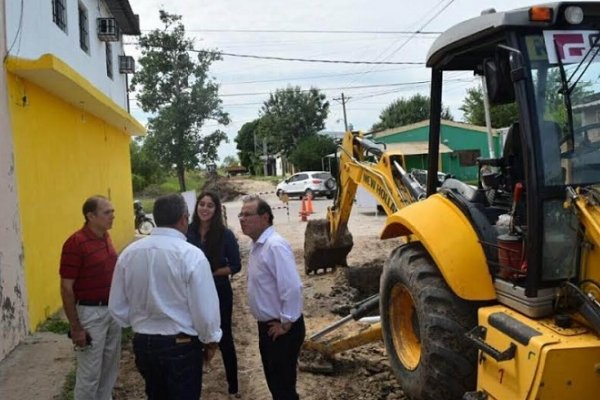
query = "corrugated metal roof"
x=420 y=124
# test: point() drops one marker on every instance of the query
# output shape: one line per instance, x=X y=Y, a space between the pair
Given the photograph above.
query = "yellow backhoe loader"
x=493 y=292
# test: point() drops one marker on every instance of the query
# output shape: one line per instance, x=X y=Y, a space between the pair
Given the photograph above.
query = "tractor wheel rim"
x=405 y=327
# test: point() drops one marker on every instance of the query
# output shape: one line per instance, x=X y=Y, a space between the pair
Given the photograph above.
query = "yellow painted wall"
x=62 y=155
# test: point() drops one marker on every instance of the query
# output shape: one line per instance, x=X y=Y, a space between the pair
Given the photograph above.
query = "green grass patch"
x=56 y=324
x=126 y=336
x=194 y=180
x=69 y=387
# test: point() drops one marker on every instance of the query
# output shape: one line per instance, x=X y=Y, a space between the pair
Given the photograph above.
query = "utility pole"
x=343 y=99
x=266 y=156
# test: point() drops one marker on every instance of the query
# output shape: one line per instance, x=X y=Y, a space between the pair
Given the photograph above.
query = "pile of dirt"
x=354 y=284
x=226 y=188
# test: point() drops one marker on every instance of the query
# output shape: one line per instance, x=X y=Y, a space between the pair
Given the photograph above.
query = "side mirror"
x=498 y=81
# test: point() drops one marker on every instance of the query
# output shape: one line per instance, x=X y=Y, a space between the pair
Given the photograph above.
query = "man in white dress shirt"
x=274 y=297
x=163 y=288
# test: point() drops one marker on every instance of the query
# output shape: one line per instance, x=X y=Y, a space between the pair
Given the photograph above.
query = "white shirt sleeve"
x=203 y=299
x=118 y=305
x=289 y=285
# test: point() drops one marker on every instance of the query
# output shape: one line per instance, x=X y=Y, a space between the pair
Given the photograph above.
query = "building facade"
x=460 y=146
x=66 y=137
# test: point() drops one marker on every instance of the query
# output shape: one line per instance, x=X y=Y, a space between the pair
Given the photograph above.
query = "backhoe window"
x=566 y=79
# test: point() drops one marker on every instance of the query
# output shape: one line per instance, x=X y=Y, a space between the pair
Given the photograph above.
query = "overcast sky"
x=377 y=27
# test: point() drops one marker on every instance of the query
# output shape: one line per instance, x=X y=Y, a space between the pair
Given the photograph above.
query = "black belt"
x=179 y=337
x=92 y=303
x=266 y=323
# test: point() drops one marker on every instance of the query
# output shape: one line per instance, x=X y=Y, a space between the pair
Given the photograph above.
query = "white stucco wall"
x=13 y=304
x=36 y=34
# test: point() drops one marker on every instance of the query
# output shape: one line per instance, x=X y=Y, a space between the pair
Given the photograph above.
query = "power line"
x=307 y=77
x=369 y=70
x=315 y=31
x=334 y=88
x=312 y=60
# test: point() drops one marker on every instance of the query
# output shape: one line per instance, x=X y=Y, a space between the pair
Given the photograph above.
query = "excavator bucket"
x=319 y=253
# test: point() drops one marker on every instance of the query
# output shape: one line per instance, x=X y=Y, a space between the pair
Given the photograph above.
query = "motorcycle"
x=143 y=224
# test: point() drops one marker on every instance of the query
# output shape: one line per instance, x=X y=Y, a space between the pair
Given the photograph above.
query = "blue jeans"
x=170 y=365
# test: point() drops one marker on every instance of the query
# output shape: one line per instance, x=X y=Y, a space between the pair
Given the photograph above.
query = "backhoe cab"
x=494 y=294
x=526 y=241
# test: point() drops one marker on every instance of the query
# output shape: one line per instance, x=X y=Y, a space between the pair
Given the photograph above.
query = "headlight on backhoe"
x=574 y=15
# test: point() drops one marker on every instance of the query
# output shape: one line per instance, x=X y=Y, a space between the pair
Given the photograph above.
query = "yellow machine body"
x=450 y=239
x=549 y=362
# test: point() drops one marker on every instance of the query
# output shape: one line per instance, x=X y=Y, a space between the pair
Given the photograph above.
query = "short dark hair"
x=262 y=206
x=169 y=209
x=91 y=204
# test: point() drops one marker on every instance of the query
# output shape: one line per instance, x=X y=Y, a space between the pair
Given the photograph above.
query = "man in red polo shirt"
x=86 y=268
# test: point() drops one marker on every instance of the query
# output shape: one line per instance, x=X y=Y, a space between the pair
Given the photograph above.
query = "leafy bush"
x=138 y=182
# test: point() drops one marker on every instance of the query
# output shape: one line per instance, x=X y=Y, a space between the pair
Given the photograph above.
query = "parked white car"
x=315 y=183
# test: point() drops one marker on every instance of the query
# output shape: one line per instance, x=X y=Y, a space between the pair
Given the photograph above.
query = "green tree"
x=406 y=111
x=474 y=112
x=291 y=114
x=176 y=88
x=144 y=167
x=310 y=151
x=230 y=161
x=248 y=150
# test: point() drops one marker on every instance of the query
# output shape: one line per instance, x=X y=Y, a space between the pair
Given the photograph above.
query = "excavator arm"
x=381 y=172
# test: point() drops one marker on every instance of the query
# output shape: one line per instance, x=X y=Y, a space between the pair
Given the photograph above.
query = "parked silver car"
x=315 y=183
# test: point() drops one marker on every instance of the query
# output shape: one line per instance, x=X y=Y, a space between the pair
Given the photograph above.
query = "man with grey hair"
x=163 y=288
x=274 y=298
x=87 y=263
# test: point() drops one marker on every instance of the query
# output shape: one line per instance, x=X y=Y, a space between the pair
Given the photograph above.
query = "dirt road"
x=360 y=374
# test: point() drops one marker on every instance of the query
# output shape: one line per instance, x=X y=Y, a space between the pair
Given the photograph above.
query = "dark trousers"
x=226 y=344
x=280 y=358
x=170 y=365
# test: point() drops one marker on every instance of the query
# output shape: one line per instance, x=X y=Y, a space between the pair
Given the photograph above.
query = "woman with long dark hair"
x=208 y=232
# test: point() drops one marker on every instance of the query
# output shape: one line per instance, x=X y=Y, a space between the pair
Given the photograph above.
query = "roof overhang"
x=404 y=148
x=414 y=148
x=129 y=23
x=55 y=76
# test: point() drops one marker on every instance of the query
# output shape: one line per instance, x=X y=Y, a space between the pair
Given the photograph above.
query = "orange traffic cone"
x=309 y=207
x=303 y=213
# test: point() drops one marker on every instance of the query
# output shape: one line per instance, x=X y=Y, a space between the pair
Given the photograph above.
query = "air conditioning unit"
x=126 y=65
x=108 y=30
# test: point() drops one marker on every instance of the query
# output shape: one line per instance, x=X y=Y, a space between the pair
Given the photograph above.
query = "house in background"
x=65 y=133
x=461 y=145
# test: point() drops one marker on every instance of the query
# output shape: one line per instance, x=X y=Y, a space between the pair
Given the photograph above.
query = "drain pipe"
x=488 y=119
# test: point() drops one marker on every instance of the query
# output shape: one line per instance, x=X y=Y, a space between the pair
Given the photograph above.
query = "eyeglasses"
x=246 y=214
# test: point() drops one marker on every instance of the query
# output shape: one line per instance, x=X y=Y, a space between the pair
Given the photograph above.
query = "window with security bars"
x=109 y=61
x=468 y=158
x=84 y=35
x=59 y=14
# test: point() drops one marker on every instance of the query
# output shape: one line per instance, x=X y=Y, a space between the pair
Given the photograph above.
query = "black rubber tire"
x=331 y=184
x=279 y=193
x=445 y=364
x=146 y=226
